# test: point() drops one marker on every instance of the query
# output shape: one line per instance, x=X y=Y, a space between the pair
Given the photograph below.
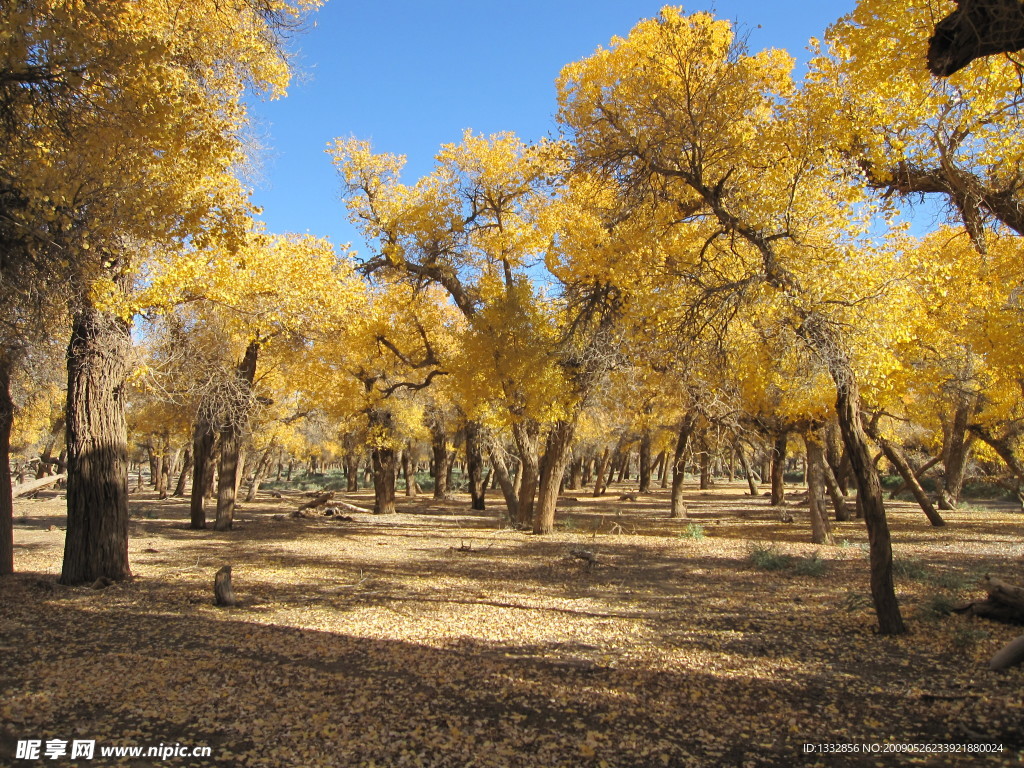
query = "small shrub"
x=936 y=606
x=966 y=637
x=767 y=557
x=693 y=531
x=855 y=601
x=812 y=565
x=953 y=581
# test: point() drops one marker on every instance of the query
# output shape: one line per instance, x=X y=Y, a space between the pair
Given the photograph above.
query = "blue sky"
x=412 y=75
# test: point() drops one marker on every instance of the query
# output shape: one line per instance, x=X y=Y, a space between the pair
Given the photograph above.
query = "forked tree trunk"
x=475 y=466
x=779 y=470
x=679 y=464
x=898 y=460
x=232 y=436
x=526 y=435
x=96 y=544
x=956 y=452
x=821 y=528
x=557 y=451
x=6 y=497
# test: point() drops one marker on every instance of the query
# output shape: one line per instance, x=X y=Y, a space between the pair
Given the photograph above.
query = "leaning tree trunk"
x=869 y=496
x=475 y=465
x=600 y=483
x=232 y=436
x=556 y=458
x=260 y=473
x=779 y=470
x=821 y=529
x=507 y=484
x=679 y=464
x=745 y=466
x=96 y=544
x=6 y=497
x=898 y=460
x=186 y=468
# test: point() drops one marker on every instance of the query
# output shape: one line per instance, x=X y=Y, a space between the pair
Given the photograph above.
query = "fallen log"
x=223 y=594
x=318 y=501
x=351 y=507
x=1004 y=602
x=37 y=484
x=1009 y=655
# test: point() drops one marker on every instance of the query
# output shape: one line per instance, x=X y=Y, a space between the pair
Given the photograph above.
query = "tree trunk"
x=6 y=497
x=384 y=472
x=645 y=462
x=232 y=435
x=557 y=452
x=412 y=489
x=600 y=483
x=779 y=470
x=575 y=474
x=835 y=493
x=439 y=464
x=898 y=460
x=745 y=467
x=96 y=544
x=705 y=466
x=956 y=451
x=679 y=465
x=186 y=469
x=475 y=466
x=526 y=436
x=918 y=473
x=202 y=470
x=508 y=488
x=821 y=529
x=869 y=494
x=258 y=475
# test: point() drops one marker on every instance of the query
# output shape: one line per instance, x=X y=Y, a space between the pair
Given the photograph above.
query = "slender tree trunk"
x=262 y=466
x=232 y=436
x=835 y=493
x=588 y=469
x=779 y=470
x=821 y=528
x=6 y=498
x=475 y=466
x=557 y=452
x=898 y=460
x=745 y=467
x=705 y=466
x=679 y=465
x=645 y=462
x=869 y=494
x=202 y=471
x=600 y=483
x=439 y=465
x=508 y=488
x=186 y=469
x=412 y=489
x=96 y=544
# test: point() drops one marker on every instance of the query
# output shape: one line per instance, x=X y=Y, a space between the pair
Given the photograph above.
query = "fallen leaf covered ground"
x=437 y=637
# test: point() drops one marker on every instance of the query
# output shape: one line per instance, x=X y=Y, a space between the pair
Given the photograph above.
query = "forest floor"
x=438 y=637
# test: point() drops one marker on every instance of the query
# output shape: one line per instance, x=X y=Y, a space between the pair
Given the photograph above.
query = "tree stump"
x=223 y=594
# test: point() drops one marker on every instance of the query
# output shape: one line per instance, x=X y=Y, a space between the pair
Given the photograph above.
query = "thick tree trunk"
x=526 y=436
x=956 y=451
x=779 y=470
x=232 y=436
x=439 y=464
x=475 y=466
x=706 y=482
x=821 y=529
x=679 y=465
x=203 y=439
x=557 y=452
x=96 y=544
x=645 y=462
x=384 y=472
x=575 y=473
x=6 y=497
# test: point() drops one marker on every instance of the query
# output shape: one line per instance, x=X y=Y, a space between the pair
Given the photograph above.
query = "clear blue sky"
x=411 y=75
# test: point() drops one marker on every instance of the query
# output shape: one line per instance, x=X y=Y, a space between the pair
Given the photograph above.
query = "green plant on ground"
x=812 y=565
x=909 y=568
x=936 y=606
x=692 y=531
x=768 y=557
